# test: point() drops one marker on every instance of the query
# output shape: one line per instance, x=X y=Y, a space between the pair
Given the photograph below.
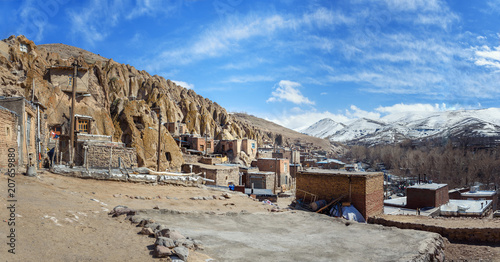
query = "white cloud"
x=356 y=112
x=248 y=78
x=183 y=84
x=289 y=91
x=400 y=108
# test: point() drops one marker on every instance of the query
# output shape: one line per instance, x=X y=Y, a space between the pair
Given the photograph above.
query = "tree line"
x=455 y=164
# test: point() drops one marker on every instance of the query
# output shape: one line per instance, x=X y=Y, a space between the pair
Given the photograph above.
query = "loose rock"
x=162 y=251
x=165 y=241
x=182 y=252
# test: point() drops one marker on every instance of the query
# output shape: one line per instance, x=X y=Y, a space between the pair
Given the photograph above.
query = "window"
x=253 y=145
x=209 y=145
x=202 y=147
x=83 y=125
x=70 y=80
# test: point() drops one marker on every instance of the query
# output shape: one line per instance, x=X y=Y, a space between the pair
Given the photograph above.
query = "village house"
x=27 y=128
x=222 y=175
x=330 y=164
x=8 y=136
x=280 y=166
x=426 y=195
x=62 y=77
x=259 y=179
x=292 y=155
x=364 y=190
x=176 y=128
x=99 y=151
x=205 y=145
x=249 y=146
x=475 y=194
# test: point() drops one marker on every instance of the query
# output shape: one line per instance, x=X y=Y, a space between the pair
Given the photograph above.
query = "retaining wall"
x=489 y=235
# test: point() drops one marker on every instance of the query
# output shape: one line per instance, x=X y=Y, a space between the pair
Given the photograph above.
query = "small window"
x=70 y=80
x=83 y=125
x=209 y=145
x=168 y=156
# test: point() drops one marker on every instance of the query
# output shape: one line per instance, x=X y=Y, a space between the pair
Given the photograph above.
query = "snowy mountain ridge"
x=395 y=128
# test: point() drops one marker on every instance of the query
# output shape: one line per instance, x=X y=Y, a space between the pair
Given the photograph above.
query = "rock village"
x=113 y=164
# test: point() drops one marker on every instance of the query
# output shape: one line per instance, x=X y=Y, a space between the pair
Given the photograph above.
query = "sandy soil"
x=66 y=219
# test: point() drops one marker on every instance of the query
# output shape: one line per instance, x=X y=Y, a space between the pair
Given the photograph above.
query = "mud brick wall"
x=420 y=197
x=8 y=137
x=267 y=180
x=487 y=235
x=190 y=159
x=366 y=190
x=221 y=174
x=98 y=156
x=211 y=160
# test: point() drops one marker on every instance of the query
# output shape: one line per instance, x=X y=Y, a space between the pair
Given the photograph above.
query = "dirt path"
x=66 y=219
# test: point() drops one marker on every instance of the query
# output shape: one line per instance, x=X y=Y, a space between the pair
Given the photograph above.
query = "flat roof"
x=260 y=172
x=316 y=171
x=432 y=186
x=465 y=207
x=399 y=201
x=479 y=193
x=212 y=167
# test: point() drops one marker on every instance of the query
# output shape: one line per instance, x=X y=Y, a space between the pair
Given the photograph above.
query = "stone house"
x=221 y=174
x=62 y=77
x=202 y=144
x=259 y=179
x=8 y=137
x=98 y=151
x=176 y=128
x=230 y=148
x=249 y=146
x=27 y=126
x=365 y=190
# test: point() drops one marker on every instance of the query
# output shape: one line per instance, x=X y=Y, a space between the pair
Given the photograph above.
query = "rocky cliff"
x=121 y=100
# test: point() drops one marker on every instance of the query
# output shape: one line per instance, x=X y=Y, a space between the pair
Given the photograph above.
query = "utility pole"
x=206 y=142
x=72 y=115
x=159 y=141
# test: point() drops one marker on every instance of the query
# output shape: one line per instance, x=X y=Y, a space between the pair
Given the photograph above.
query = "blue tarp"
x=348 y=212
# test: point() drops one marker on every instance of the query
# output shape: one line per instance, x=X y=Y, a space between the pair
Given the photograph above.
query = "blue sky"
x=292 y=62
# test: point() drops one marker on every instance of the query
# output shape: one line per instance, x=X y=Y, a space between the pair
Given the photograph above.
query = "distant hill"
x=480 y=127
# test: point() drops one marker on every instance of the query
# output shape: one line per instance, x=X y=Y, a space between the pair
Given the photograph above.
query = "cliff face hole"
x=139 y=123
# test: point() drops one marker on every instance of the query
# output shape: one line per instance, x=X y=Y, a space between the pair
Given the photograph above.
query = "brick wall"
x=269 y=164
x=8 y=137
x=266 y=178
x=366 y=191
x=422 y=197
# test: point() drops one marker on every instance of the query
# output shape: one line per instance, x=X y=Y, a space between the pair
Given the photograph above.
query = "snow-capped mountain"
x=484 y=123
x=323 y=128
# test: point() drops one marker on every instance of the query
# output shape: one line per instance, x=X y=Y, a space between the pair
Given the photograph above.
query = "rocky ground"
x=66 y=219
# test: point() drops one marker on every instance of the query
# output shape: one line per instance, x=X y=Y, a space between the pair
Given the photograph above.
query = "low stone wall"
x=489 y=235
x=117 y=175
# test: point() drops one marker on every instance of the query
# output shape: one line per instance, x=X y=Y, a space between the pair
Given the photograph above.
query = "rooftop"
x=316 y=171
x=479 y=193
x=432 y=186
x=465 y=207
